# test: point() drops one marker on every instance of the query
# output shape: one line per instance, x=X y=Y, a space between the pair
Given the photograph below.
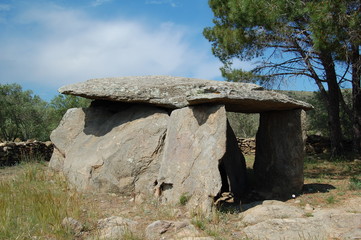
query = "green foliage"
x=314 y=39
x=32 y=206
x=238 y=75
x=245 y=29
x=331 y=199
x=355 y=183
x=22 y=114
x=243 y=125
x=200 y=223
x=317 y=119
x=287 y=38
x=61 y=103
x=25 y=116
x=184 y=198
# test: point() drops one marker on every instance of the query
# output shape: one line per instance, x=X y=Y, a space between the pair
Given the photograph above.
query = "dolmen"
x=169 y=137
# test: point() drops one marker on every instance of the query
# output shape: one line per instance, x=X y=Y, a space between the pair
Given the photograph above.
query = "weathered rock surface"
x=275 y=220
x=270 y=210
x=71 y=125
x=279 y=158
x=111 y=147
x=197 y=160
x=171 y=230
x=115 y=227
x=123 y=144
x=73 y=225
x=276 y=229
x=179 y=92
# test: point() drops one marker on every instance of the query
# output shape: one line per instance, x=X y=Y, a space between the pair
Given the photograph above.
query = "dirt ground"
x=328 y=185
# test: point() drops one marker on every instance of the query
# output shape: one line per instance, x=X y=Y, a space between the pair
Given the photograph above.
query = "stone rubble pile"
x=14 y=152
x=247 y=145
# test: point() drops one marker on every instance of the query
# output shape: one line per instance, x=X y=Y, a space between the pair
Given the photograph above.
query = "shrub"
x=184 y=198
x=355 y=183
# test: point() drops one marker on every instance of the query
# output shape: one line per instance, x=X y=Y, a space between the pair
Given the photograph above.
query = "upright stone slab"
x=111 y=147
x=195 y=150
x=279 y=153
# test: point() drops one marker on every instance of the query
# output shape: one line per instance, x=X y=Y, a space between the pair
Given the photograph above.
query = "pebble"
x=308 y=208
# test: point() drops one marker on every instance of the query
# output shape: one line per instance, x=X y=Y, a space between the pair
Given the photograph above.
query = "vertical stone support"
x=278 y=165
x=201 y=158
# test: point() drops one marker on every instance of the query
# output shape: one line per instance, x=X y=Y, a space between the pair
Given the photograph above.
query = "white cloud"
x=170 y=2
x=70 y=47
x=97 y=3
x=5 y=7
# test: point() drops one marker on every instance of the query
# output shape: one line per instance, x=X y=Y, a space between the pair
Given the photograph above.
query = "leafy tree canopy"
x=21 y=113
x=317 y=39
x=25 y=116
x=61 y=103
x=247 y=29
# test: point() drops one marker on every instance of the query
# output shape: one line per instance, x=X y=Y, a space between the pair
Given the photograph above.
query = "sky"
x=48 y=44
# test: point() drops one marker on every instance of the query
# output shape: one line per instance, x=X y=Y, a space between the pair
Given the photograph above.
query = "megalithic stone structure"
x=170 y=136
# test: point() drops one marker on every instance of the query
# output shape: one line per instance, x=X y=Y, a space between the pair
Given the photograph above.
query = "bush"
x=184 y=198
x=355 y=183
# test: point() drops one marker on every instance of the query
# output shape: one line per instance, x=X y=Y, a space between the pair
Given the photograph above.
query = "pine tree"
x=317 y=39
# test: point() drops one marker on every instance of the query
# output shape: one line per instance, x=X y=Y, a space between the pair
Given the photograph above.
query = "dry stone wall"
x=14 y=152
x=247 y=145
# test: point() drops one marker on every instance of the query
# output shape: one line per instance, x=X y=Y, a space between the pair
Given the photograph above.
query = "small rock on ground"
x=169 y=229
x=115 y=227
x=70 y=223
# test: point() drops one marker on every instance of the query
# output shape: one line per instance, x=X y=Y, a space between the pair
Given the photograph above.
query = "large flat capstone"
x=178 y=92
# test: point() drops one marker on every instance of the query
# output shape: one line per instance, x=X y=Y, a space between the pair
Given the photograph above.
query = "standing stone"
x=280 y=152
x=71 y=125
x=195 y=149
x=111 y=147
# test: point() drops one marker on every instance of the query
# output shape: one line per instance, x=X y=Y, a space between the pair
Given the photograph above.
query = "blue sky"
x=47 y=44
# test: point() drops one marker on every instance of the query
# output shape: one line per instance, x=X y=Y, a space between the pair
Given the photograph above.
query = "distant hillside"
x=299 y=95
x=308 y=95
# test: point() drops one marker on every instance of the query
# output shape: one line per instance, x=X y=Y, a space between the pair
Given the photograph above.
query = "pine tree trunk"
x=356 y=98
x=357 y=121
x=334 y=119
x=333 y=104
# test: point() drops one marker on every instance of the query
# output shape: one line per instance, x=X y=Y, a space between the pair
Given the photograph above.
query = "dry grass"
x=328 y=182
x=34 y=201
